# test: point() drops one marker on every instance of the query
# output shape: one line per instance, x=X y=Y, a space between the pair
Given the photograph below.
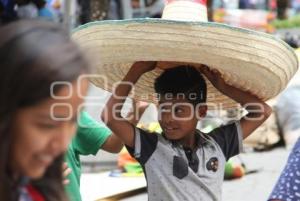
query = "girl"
x=40 y=97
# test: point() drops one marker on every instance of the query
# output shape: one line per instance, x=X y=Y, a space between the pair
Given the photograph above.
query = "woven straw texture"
x=253 y=61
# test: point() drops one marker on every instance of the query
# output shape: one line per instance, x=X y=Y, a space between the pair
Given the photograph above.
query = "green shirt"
x=89 y=138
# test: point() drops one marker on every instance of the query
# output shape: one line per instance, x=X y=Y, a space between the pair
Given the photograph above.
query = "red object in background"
x=34 y=194
x=125 y=158
x=203 y=2
x=273 y=4
x=238 y=172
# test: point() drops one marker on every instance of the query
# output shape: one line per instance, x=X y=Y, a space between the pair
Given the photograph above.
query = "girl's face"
x=43 y=131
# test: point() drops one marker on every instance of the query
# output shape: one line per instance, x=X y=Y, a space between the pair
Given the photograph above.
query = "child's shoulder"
x=205 y=139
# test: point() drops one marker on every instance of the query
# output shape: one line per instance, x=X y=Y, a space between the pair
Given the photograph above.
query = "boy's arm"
x=138 y=109
x=114 y=144
x=111 y=114
x=258 y=111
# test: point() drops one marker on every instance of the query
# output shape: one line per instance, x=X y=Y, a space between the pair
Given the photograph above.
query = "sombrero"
x=253 y=61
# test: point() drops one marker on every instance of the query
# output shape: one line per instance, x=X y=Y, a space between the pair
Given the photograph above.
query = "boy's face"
x=178 y=118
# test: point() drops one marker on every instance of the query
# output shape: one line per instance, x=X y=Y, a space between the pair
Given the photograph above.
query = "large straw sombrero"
x=250 y=60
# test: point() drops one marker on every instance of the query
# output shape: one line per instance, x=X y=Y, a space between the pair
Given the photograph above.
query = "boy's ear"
x=202 y=110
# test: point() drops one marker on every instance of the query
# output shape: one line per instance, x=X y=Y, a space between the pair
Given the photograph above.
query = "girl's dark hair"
x=185 y=80
x=33 y=55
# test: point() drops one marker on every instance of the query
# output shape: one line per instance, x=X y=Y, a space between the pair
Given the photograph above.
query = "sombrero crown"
x=250 y=60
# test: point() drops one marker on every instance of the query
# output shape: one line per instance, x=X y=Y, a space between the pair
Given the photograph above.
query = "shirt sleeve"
x=144 y=145
x=90 y=136
x=229 y=138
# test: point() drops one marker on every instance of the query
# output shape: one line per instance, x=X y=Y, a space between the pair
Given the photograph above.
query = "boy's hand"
x=216 y=79
x=258 y=111
x=214 y=76
x=143 y=66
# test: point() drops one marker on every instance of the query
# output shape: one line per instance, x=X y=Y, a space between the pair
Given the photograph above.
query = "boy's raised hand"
x=258 y=110
x=111 y=114
x=214 y=76
x=143 y=66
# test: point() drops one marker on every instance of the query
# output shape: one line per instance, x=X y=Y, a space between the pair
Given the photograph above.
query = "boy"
x=183 y=163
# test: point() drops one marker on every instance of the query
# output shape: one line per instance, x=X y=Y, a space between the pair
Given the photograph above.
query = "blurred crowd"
x=83 y=11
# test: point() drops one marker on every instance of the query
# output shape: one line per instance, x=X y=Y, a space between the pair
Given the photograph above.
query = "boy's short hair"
x=182 y=81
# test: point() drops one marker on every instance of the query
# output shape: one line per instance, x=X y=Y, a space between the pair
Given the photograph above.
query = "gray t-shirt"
x=175 y=173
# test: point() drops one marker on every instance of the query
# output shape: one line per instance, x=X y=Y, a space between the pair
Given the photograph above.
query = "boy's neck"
x=189 y=141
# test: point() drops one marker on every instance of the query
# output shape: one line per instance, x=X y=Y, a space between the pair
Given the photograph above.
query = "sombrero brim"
x=250 y=60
